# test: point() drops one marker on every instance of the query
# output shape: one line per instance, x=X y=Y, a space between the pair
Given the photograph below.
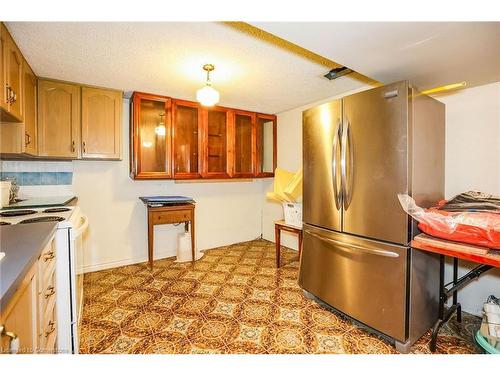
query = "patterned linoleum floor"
x=233 y=300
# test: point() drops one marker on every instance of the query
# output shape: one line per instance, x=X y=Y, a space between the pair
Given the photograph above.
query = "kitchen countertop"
x=22 y=244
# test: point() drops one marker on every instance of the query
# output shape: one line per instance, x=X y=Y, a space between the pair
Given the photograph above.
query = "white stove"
x=71 y=224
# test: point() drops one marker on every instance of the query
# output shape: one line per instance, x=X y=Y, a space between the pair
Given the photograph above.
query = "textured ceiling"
x=166 y=58
x=429 y=54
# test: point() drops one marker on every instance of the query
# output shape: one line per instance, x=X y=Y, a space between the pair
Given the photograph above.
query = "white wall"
x=226 y=212
x=473 y=163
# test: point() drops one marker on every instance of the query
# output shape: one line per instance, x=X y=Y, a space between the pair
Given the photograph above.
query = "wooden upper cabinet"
x=4 y=35
x=243 y=130
x=150 y=132
x=216 y=144
x=30 y=110
x=180 y=139
x=58 y=119
x=187 y=139
x=101 y=123
x=11 y=100
x=266 y=132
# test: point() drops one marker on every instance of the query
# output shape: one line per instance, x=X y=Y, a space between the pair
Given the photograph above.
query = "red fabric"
x=487 y=235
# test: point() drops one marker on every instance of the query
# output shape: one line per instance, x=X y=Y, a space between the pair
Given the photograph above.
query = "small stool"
x=278 y=227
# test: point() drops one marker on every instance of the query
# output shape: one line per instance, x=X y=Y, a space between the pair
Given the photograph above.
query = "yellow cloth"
x=287 y=186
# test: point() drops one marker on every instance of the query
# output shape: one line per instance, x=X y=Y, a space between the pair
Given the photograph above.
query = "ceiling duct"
x=337 y=72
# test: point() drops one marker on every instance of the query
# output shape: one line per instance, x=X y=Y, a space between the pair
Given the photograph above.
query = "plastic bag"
x=473 y=227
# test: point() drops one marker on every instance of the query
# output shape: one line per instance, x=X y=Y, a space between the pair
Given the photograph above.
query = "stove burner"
x=4 y=223
x=13 y=213
x=56 y=209
x=42 y=219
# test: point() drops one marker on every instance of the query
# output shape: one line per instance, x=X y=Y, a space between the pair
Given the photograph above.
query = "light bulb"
x=207 y=96
x=160 y=130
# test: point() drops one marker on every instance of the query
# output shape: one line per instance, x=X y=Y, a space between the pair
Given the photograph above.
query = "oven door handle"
x=82 y=228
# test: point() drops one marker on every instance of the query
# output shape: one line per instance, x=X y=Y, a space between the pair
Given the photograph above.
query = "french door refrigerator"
x=359 y=152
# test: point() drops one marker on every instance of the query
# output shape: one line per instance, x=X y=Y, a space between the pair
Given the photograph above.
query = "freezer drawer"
x=362 y=278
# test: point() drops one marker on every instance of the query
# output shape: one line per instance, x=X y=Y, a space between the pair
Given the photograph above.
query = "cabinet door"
x=58 y=119
x=266 y=131
x=30 y=110
x=244 y=144
x=15 y=79
x=150 y=137
x=4 y=35
x=215 y=142
x=101 y=123
x=187 y=139
x=20 y=316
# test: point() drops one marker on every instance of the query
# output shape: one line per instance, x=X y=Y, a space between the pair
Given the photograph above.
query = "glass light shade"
x=160 y=130
x=207 y=96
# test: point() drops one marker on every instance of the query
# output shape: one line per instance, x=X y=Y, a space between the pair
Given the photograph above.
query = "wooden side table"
x=278 y=227
x=171 y=214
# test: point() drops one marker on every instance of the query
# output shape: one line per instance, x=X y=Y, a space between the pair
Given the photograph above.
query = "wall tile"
x=31 y=178
x=64 y=178
x=48 y=178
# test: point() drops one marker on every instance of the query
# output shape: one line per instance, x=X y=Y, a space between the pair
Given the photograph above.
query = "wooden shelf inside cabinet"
x=187 y=139
x=266 y=149
x=217 y=144
x=243 y=131
x=150 y=137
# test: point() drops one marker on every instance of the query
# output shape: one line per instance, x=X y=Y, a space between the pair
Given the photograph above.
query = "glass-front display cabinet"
x=266 y=131
x=150 y=130
x=216 y=142
x=244 y=144
x=186 y=125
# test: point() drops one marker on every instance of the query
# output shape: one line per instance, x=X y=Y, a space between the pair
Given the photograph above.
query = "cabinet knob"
x=50 y=291
x=52 y=326
x=27 y=139
x=84 y=147
x=49 y=256
x=73 y=146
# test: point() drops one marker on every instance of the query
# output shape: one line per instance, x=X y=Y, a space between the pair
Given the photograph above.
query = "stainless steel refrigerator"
x=359 y=152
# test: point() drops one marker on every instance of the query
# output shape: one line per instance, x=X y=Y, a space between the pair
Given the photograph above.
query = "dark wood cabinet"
x=187 y=139
x=266 y=150
x=150 y=137
x=180 y=139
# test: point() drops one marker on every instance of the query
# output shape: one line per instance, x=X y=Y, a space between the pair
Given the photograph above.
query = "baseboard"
x=123 y=262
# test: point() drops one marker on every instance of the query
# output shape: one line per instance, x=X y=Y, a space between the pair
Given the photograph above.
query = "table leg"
x=442 y=300
x=193 y=249
x=455 y=293
x=278 y=244
x=300 y=244
x=151 y=234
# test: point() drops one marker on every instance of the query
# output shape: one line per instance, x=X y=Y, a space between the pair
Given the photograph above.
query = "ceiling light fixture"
x=207 y=95
x=453 y=86
x=160 y=128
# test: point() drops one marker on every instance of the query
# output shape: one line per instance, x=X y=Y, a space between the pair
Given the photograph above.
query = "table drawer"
x=169 y=217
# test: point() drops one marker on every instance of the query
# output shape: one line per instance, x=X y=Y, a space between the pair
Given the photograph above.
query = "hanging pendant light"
x=207 y=95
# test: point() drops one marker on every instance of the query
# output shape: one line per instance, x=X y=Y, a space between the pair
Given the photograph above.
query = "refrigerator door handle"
x=336 y=193
x=346 y=246
x=346 y=183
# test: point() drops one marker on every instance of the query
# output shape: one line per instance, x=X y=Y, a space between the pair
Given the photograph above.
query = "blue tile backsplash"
x=39 y=178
